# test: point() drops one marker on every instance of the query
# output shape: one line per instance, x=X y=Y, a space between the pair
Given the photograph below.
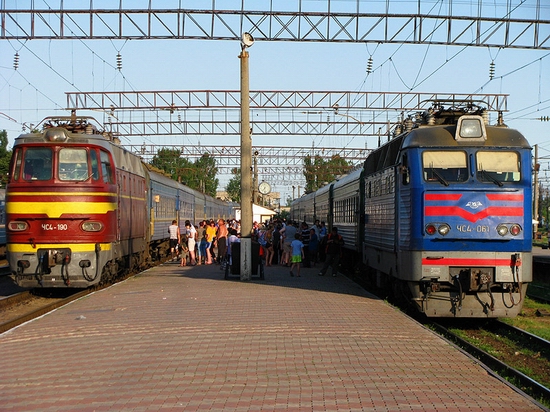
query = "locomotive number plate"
x=58 y=226
x=476 y=228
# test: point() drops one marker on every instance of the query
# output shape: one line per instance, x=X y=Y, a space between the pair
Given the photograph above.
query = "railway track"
x=39 y=308
x=535 y=345
x=54 y=298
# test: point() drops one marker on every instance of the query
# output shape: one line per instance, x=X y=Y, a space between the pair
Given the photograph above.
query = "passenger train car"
x=81 y=209
x=440 y=214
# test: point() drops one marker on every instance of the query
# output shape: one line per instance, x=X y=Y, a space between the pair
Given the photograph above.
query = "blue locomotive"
x=440 y=215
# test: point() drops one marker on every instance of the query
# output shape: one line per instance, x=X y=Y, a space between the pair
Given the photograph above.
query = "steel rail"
x=43 y=310
x=528 y=385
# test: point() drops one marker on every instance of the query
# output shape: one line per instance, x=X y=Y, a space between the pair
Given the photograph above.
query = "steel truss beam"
x=298 y=113
x=277 y=165
x=273 y=99
x=203 y=127
x=415 y=22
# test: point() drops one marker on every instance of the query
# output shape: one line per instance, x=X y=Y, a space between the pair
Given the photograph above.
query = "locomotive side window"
x=444 y=167
x=106 y=168
x=73 y=164
x=498 y=167
x=37 y=164
x=17 y=160
x=95 y=165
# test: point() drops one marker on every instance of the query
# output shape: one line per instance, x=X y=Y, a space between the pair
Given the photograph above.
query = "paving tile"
x=186 y=339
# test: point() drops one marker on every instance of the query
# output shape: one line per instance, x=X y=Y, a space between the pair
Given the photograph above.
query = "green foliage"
x=285 y=214
x=5 y=156
x=233 y=187
x=199 y=175
x=319 y=171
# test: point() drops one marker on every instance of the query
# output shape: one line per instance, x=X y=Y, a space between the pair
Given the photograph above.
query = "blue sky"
x=49 y=68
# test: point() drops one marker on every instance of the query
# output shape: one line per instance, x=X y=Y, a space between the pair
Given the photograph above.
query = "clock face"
x=264 y=188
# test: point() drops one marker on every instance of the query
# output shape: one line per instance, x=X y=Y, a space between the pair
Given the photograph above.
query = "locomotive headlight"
x=470 y=128
x=55 y=134
x=92 y=226
x=502 y=230
x=17 y=226
x=515 y=229
x=434 y=228
x=443 y=229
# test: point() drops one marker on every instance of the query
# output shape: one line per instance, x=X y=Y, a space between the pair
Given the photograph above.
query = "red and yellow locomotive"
x=76 y=206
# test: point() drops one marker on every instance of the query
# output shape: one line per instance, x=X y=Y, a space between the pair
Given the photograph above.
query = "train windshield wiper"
x=491 y=178
x=439 y=177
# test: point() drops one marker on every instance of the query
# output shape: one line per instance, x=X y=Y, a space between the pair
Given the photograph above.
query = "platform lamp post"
x=246 y=163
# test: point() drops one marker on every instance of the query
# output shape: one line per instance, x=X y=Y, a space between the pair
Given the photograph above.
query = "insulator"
x=408 y=124
x=485 y=117
x=369 y=65
x=119 y=61
x=545 y=118
x=492 y=70
x=16 y=61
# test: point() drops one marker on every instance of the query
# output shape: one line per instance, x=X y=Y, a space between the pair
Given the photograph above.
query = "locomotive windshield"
x=37 y=164
x=72 y=164
x=444 y=166
x=498 y=167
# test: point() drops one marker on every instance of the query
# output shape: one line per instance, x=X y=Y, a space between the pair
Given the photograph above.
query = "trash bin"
x=236 y=259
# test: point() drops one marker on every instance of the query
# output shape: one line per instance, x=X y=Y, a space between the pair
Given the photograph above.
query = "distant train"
x=440 y=215
x=81 y=209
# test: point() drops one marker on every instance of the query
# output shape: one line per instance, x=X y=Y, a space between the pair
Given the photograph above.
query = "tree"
x=233 y=187
x=5 y=157
x=318 y=171
x=199 y=175
x=206 y=172
x=169 y=160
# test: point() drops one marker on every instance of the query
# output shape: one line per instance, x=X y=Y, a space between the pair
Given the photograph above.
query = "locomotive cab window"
x=73 y=164
x=498 y=167
x=444 y=167
x=36 y=164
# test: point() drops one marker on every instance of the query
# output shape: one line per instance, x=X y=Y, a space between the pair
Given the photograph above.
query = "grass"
x=539 y=326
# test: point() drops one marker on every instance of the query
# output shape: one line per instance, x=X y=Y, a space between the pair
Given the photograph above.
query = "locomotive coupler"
x=429 y=285
x=58 y=257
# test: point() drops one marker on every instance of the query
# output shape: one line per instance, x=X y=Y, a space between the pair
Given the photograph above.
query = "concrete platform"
x=185 y=339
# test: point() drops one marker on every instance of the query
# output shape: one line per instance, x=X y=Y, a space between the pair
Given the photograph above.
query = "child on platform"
x=297 y=250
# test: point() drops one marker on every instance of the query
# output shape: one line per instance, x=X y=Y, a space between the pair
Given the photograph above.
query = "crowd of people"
x=204 y=244
x=282 y=242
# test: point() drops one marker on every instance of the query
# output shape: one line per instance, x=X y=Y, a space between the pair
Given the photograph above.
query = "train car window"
x=37 y=164
x=73 y=164
x=498 y=167
x=444 y=167
x=106 y=167
x=95 y=165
